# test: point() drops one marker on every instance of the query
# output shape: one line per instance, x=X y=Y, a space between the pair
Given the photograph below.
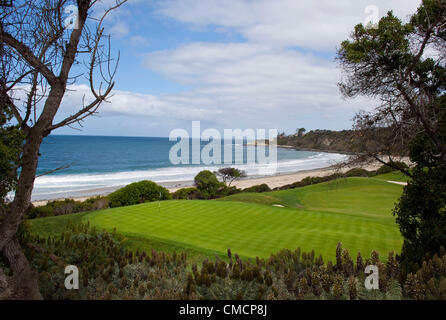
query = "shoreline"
x=273 y=181
x=284 y=146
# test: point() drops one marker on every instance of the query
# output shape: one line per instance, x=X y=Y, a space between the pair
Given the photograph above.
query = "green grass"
x=359 y=196
x=393 y=176
x=355 y=211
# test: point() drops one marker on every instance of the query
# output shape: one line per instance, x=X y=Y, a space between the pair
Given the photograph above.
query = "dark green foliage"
x=356 y=172
x=396 y=165
x=11 y=141
x=67 y=206
x=258 y=188
x=421 y=212
x=227 y=191
x=384 y=169
x=207 y=184
x=138 y=192
x=311 y=180
x=320 y=140
x=186 y=194
x=412 y=111
x=229 y=174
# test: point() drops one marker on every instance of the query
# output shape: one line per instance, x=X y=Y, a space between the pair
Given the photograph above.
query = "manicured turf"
x=355 y=211
x=393 y=176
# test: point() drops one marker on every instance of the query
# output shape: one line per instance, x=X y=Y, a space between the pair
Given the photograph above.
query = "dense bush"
x=310 y=180
x=258 y=188
x=357 y=172
x=108 y=271
x=138 y=192
x=384 y=169
x=227 y=191
x=186 y=194
x=207 y=184
x=67 y=206
x=421 y=211
x=387 y=169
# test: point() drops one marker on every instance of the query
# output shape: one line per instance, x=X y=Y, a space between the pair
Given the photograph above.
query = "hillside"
x=320 y=140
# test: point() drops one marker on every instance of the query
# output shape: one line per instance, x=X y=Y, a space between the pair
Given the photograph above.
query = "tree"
x=230 y=174
x=11 y=141
x=301 y=132
x=207 y=183
x=41 y=57
x=403 y=64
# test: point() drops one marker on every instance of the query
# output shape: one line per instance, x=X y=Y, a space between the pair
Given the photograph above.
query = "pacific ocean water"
x=97 y=164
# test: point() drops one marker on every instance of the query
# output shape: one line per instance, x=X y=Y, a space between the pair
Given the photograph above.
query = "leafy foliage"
x=317 y=140
x=67 y=206
x=11 y=141
x=138 y=192
x=228 y=175
x=186 y=194
x=258 y=188
x=207 y=184
x=390 y=63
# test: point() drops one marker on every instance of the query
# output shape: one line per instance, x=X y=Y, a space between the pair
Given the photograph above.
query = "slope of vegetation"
x=326 y=140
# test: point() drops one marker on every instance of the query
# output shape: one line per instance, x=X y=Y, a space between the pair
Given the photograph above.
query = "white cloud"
x=119 y=30
x=253 y=83
x=319 y=25
x=131 y=103
x=263 y=81
x=138 y=41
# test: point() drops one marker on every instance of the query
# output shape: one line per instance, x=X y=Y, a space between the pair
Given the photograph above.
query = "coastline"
x=284 y=146
x=272 y=181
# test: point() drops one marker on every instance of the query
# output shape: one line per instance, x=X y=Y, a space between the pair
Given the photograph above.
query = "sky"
x=260 y=64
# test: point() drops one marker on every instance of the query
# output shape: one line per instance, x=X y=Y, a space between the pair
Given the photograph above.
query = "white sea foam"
x=56 y=186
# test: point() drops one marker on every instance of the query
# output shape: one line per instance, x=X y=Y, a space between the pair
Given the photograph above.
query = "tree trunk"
x=25 y=279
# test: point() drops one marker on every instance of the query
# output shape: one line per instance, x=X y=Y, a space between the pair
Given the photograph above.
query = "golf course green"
x=354 y=211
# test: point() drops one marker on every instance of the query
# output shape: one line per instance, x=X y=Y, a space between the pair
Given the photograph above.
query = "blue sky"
x=228 y=63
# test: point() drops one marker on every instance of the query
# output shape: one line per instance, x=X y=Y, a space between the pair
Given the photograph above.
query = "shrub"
x=95 y=203
x=356 y=172
x=186 y=194
x=258 y=188
x=311 y=180
x=384 y=169
x=227 y=191
x=207 y=184
x=138 y=192
x=67 y=206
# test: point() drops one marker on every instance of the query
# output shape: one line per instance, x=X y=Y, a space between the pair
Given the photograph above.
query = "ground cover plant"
x=109 y=271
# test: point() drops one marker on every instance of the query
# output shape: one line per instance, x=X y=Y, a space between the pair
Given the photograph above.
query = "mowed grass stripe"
x=354 y=211
x=250 y=230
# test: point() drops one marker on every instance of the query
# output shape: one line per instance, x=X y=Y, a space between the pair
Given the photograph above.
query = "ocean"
x=97 y=165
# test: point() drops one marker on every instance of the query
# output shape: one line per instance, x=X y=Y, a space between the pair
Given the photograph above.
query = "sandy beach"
x=273 y=181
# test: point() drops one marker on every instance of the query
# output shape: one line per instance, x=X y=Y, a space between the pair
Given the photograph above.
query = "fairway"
x=354 y=211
